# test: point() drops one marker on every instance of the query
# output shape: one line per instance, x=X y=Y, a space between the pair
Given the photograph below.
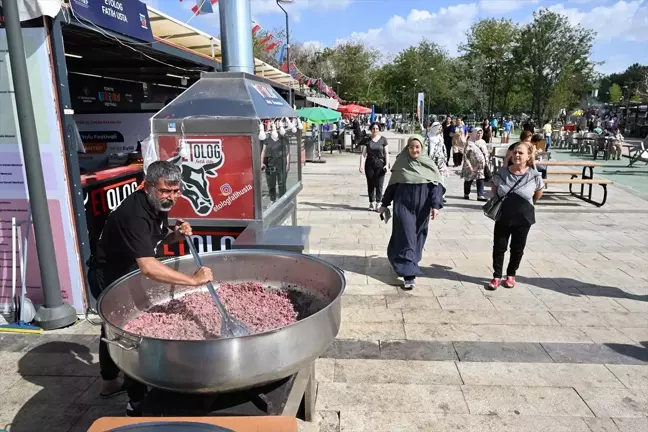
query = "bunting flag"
x=203 y=7
x=281 y=54
x=266 y=39
x=255 y=28
x=272 y=46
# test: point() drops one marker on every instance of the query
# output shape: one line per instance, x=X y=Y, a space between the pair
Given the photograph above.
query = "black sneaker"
x=134 y=409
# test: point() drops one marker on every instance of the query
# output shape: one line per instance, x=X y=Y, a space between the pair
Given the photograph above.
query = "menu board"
x=14 y=197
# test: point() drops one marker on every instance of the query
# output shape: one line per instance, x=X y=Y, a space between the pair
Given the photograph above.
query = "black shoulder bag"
x=493 y=208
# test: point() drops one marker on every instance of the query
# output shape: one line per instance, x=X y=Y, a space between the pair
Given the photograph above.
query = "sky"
x=393 y=25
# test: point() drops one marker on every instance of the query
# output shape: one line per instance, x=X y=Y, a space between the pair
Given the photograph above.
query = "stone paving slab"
x=397 y=372
x=538 y=375
x=495 y=333
x=354 y=421
x=631 y=376
x=500 y=352
x=534 y=401
x=597 y=353
x=391 y=398
x=616 y=402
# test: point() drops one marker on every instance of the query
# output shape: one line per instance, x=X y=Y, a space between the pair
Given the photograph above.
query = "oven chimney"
x=236 y=36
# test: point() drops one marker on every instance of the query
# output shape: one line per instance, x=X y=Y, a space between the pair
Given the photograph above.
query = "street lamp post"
x=290 y=90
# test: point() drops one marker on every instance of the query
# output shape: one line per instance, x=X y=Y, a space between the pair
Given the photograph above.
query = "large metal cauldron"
x=219 y=365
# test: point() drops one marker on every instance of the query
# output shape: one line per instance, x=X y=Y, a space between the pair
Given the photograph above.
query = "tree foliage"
x=489 y=50
x=615 y=93
x=553 y=60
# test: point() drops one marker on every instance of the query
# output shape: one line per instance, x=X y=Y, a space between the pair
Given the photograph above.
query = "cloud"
x=504 y=6
x=447 y=27
x=624 y=19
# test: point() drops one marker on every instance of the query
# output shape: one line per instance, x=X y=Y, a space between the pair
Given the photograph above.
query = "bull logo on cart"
x=199 y=161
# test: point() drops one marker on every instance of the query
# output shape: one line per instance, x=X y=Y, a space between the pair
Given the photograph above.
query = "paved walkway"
x=566 y=350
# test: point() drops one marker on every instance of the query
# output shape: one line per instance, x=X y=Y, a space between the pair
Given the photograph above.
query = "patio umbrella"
x=319 y=115
x=354 y=109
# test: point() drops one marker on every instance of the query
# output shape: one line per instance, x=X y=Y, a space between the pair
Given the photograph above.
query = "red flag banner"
x=272 y=46
x=267 y=39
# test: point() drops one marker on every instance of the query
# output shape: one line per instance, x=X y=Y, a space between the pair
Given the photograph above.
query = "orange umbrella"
x=354 y=109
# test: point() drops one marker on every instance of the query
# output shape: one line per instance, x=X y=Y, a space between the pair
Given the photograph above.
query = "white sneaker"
x=376 y=206
x=371 y=207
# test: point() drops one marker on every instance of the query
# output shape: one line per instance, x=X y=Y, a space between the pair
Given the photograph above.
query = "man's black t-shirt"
x=133 y=230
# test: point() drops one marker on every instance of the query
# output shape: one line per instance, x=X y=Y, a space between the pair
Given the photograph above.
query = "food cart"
x=216 y=131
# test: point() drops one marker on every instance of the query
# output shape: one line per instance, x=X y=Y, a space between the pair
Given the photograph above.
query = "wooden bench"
x=584 y=181
x=573 y=173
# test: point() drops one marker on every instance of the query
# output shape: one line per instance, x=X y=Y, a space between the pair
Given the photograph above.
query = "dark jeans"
x=542 y=170
x=494 y=132
x=480 y=187
x=375 y=178
x=501 y=235
x=275 y=173
x=448 y=146
x=457 y=158
x=109 y=370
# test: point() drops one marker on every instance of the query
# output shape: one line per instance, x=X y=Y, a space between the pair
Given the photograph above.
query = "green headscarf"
x=414 y=171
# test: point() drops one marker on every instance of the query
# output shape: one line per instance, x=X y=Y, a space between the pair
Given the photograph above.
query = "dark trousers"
x=375 y=174
x=457 y=158
x=502 y=234
x=480 y=187
x=494 y=132
x=448 y=146
x=275 y=173
x=109 y=370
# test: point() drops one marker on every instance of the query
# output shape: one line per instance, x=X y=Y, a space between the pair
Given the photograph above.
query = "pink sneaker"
x=509 y=282
x=494 y=284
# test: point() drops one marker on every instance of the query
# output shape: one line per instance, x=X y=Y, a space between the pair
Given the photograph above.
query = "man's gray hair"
x=165 y=170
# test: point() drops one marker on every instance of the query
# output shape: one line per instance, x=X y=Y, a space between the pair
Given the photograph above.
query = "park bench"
x=582 y=178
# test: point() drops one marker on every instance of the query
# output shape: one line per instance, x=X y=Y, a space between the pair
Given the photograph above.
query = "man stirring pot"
x=131 y=239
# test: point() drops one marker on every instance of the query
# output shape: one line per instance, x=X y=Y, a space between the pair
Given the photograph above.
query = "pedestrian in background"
x=519 y=186
x=459 y=137
x=415 y=187
x=475 y=164
x=488 y=131
x=374 y=163
x=448 y=128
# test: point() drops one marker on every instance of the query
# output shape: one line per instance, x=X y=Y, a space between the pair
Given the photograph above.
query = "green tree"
x=353 y=64
x=489 y=50
x=422 y=68
x=615 y=93
x=552 y=53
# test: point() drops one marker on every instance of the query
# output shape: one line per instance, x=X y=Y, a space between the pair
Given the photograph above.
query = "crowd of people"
x=416 y=190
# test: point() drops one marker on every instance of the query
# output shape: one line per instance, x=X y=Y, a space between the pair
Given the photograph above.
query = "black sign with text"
x=104 y=197
x=95 y=95
x=206 y=239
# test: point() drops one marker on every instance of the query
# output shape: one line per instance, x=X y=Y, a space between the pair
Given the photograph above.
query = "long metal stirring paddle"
x=230 y=326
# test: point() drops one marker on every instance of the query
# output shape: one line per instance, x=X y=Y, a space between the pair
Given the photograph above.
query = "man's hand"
x=202 y=276
x=361 y=170
x=382 y=210
x=183 y=228
x=263 y=167
x=434 y=213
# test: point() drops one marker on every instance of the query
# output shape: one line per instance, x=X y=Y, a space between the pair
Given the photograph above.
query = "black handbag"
x=493 y=208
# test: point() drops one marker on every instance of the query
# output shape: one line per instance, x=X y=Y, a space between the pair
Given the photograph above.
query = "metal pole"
x=236 y=37
x=290 y=92
x=54 y=313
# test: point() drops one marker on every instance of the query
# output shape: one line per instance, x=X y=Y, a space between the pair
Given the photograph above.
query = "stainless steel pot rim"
x=135 y=338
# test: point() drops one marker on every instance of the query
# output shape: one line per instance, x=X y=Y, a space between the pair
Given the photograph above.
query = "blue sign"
x=128 y=17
